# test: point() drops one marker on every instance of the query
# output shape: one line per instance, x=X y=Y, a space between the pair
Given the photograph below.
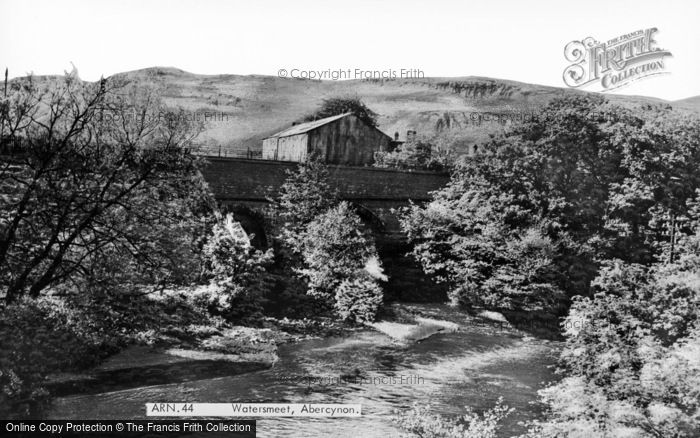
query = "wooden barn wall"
x=292 y=148
x=348 y=141
x=269 y=148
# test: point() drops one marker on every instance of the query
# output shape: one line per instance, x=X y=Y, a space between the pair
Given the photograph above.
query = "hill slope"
x=242 y=110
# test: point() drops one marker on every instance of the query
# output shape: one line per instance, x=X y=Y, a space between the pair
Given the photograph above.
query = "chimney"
x=396 y=136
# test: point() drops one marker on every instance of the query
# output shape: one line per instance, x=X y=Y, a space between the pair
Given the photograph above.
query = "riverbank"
x=172 y=353
x=448 y=370
x=176 y=355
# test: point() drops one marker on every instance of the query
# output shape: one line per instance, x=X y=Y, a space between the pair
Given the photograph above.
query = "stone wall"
x=234 y=179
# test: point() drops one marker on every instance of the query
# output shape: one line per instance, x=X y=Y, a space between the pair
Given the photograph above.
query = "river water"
x=474 y=366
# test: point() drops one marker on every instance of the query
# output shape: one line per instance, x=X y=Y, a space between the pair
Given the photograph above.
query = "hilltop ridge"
x=241 y=110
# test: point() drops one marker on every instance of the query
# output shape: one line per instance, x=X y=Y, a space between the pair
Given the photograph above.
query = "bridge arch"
x=253 y=223
x=369 y=218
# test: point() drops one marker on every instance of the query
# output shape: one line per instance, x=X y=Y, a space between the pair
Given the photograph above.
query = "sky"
x=506 y=39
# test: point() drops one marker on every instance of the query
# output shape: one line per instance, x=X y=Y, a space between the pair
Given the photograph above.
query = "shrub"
x=305 y=194
x=490 y=252
x=238 y=271
x=38 y=337
x=419 y=154
x=334 y=106
x=420 y=422
x=358 y=299
x=632 y=356
x=232 y=302
x=334 y=248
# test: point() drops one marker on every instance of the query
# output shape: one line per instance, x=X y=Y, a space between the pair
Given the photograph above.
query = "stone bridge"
x=245 y=186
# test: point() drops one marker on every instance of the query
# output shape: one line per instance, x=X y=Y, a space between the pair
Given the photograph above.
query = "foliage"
x=288 y=297
x=418 y=154
x=420 y=422
x=658 y=399
x=358 y=299
x=231 y=256
x=101 y=186
x=38 y=337
x=632 y=354
x=335 y=106
x=305 y=194
x=471 y=243
x=238 y=269
x=537 y=209
x=334 y=248
x=325 y=244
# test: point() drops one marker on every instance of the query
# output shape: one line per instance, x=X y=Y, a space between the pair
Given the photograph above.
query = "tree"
x=587 y=180
x=334 y=248
x=631 y=358
x=238 y=269
x=231 y=256
x=334 y=106
x=489 y=252
x=422 y=153
x=304 y=195
x=103 y=186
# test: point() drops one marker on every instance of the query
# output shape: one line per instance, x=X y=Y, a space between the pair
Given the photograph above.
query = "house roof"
x=308 y=126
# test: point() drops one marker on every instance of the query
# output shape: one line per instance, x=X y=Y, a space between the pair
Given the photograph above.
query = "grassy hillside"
x=244 y=109
x=691 y=104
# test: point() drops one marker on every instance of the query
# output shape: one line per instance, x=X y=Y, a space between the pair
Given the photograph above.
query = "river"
x=474 y=366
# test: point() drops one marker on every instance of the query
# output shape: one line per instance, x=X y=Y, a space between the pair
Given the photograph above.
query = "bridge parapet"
x=242 y=179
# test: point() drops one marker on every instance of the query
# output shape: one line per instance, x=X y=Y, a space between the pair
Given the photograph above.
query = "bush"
x=491 y=253
x=288 y=295
x=418 y=154
x=632 y=356
x=38 y=337
x=420 y=422
x=305 y=194
x=334 y=106
x=239 y=273
x=232 y=302
x=358 y=299
x=334 y=248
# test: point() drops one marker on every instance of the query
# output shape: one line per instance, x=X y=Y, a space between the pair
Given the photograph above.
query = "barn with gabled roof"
x=343 y=139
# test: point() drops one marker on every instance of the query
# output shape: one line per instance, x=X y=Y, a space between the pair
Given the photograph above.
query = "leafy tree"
x=231 y=256
x=305 y=194
x=632 y=352
x=358 y=298
x=588 y=180
x=334 y=248
x=238 y=270
x=489 y=251
x=631 y=358
x=101 y=187
x=334 y=106
x=325 y=245
x=418 y=153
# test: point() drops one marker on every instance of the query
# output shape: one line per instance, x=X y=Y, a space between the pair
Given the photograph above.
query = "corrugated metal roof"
x=308 y=126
